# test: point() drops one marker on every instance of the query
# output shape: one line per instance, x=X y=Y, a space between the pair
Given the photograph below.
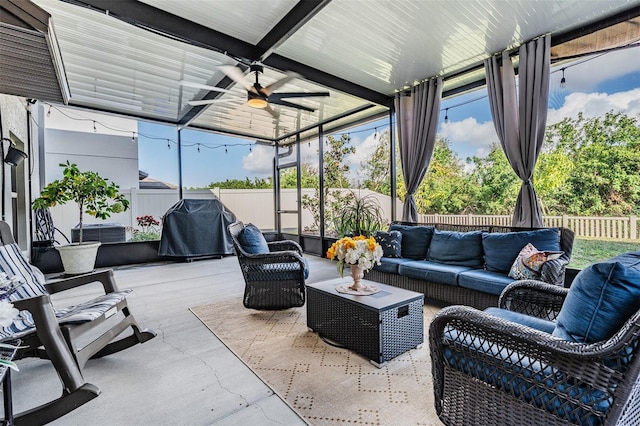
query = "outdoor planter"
x=47 y=258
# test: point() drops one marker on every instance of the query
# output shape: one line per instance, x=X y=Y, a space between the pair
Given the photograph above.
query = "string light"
x=446 y=115
x=94 y=127
x=49 y=111
x=198 y=148
x=563 y=81
x=225 y=150
x=133 y=137
x=250 y=148
x=375 y=133
x=184 y=144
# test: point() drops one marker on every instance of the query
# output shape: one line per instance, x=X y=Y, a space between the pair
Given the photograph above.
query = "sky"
x=594 y=85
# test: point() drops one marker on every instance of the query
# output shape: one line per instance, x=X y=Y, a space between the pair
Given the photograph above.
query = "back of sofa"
x=565 y=235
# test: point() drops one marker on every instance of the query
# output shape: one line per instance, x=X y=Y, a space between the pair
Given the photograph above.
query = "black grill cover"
x=194 y=228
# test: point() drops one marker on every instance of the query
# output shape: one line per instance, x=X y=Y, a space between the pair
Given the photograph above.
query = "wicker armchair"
x=491 y=371
x=273 y=279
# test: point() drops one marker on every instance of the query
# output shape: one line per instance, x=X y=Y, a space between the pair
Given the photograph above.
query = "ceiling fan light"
x=257 y=103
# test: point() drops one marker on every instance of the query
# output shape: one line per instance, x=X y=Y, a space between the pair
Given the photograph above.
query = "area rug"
x=323 y=383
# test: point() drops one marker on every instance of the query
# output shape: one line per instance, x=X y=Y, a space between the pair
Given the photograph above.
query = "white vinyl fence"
x=257 y=206
x=615 y=228
x=249 y=205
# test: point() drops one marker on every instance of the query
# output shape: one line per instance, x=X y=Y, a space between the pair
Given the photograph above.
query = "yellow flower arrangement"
x=360 y=250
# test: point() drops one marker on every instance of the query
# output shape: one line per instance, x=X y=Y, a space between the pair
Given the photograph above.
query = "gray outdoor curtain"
x=417 y=118
x=520 y=126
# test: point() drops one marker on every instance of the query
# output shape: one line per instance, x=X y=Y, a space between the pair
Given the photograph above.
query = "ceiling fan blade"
x=278 y=96
x=274 y=86
x=273 y=112
x=209 y=101
x=202 y=86
x=292 y=105
x=235 y=74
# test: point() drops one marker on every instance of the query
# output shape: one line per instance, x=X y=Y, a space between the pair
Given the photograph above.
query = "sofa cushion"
x=457 y=248
x=252 y=240
x=432 y=271
x=484 y=281
x=415 y=240
x=601 y=298
x=390 y=264
x=391 y=243
x=502 y=248
x=522 y=319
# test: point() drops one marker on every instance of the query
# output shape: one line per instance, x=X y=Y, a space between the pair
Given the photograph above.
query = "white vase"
x=357 y=273
x=78 y=258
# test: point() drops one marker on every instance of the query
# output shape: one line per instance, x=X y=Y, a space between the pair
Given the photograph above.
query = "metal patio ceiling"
x=128 y=56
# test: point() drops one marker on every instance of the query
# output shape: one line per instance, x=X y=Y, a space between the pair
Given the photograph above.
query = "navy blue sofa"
x=466 y=264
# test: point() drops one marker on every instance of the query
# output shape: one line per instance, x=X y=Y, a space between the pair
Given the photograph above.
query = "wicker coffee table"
x=380 y=326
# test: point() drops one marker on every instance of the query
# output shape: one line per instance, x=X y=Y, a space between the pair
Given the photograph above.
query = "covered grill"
x=195 y=229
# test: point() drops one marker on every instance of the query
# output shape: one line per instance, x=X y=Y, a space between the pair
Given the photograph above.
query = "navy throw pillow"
x=415 y=240
x=502 y=248
x=457 y=248
x=391 y=243
x=252 y=240
x=601 y=298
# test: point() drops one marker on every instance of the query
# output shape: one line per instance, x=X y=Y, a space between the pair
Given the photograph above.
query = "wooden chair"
x=60 y=335
x=275 y=277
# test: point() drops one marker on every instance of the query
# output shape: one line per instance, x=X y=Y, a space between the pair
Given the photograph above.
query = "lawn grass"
x=587 y=251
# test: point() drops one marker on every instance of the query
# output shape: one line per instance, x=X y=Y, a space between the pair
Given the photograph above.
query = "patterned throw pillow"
x=528 y=264
x=391 y=243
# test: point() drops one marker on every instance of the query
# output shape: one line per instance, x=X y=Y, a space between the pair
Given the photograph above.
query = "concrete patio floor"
x=184 y=376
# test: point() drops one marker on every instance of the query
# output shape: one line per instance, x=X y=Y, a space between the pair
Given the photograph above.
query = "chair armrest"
x=531 y=357
x=105 y=277
x=285 y=245
x=533 y=298
x=275 y=257
x=51 y=337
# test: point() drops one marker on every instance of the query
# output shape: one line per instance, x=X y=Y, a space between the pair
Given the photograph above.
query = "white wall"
x=113 y=157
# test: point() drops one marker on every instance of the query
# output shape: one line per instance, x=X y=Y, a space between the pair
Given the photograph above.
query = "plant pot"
x=78 y=258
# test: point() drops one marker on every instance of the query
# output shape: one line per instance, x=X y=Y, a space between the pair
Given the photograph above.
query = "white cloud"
x=596 y=104
x=364 y=150
x=259 y=161
x=468 y=137
x=587 y=74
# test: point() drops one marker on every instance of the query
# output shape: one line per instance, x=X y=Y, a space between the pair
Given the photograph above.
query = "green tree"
x=443 y=189
x=493 y=186
x=308 y=177
x=377 y=167
x=335 y=177
x=256 y=183
x=605 y=177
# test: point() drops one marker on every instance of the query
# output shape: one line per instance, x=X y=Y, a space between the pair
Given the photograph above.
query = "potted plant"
x=359 y=216
x=94 y=196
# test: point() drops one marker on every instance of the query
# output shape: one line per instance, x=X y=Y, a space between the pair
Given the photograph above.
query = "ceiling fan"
x=257 y=96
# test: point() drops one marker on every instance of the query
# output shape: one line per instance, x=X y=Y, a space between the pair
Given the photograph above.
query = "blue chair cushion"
x=432 y=271
x=502 y=248
x=457 y=248
x=484 y=281
x=390 y=264
x=415 y=240
x=526 y=378
x=522 y=319
x=252 y=240
x=601 y=298
x=391 y=243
